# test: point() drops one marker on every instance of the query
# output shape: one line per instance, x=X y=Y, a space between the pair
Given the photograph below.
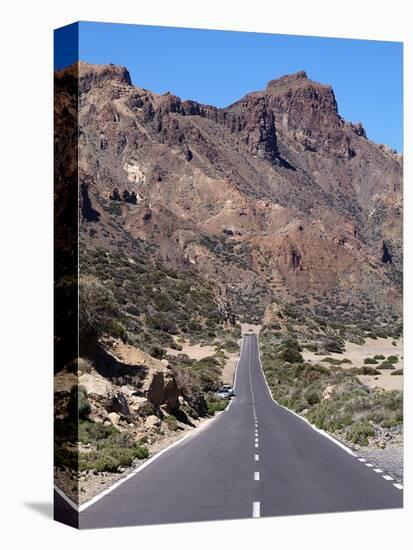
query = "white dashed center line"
x=256 y=458
x=398 y=486
x=388 y=478
x=256 y=476
x=255 y=509
x=378 y=471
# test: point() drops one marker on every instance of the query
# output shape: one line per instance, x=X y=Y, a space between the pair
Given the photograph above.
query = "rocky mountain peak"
x=287 y=79
x=207 y=185
x=91 y=76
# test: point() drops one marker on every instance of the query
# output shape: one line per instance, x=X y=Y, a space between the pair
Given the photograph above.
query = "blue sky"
x=219 y=67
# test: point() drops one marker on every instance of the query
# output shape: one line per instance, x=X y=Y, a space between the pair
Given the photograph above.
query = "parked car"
x=225 y=392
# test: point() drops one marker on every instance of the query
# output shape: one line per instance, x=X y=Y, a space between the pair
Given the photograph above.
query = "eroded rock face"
x=276 y=160
x=118 y=403
x=163 y=390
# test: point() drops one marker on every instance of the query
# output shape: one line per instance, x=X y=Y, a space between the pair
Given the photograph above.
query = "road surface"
x=255 y=459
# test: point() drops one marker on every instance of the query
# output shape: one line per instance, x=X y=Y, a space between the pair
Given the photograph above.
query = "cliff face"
x=274 y=196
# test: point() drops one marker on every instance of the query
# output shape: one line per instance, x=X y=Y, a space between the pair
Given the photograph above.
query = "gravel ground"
x=389 y=459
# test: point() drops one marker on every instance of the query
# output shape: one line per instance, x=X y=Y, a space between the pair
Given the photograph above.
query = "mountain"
x=273 y=199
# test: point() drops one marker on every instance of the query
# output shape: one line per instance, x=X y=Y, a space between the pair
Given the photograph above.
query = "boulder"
x=171 y=393
x=156 y=390
x=197 y=402
x=163 y=390
x=328 y=392
x=113 y=418
x=117 y=403
x=151 y=422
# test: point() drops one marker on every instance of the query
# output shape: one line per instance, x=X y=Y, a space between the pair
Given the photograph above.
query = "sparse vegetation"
x=397 y=372
x=216 y=405
x=172 y=423
x=330 y=397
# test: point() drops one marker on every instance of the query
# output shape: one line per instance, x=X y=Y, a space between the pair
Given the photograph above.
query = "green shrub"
x=311 y=347
x=171 y=422
x=370 y=371
x=290 y=355
x=216 y=405
x=370 y=361
x=231 y=346
x=78 y=405
x=359 y=432
x=157 y=352
x=110 y=459
x=146 y=409
x=386 y=365
x=93 y=432
x=312 y=396
x=97 y=308
x=84 y=365
x=334 y=345
x=331 y=360
x=392 y=359
x=397 y=372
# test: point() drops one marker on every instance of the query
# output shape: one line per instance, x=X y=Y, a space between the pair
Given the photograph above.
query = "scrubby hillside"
x=273 y=210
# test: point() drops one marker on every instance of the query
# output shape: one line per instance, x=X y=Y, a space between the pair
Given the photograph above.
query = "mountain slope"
x=272 y=198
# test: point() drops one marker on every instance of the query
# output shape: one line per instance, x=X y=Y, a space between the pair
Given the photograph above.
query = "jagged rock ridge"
x=273 y=195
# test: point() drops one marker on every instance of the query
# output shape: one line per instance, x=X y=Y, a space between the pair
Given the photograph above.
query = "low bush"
x=111 y=459
x=359 y=432
x=171 y=422
x=290 y=355
x=351 y=409
x=397 y=372
x=146 y=409
x=331 y=360
x=386 y=366
x=370 y=371
x=157 y=352
x=110 y=449
x=312 y=396
x=78 y=405
x=370 y=361
x=216 y=405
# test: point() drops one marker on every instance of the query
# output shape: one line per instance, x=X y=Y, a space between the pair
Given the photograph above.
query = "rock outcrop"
x=177 y=174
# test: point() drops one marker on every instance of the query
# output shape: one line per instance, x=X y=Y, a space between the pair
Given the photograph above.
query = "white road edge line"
x=134 y=472
x=255 y=509
x=321 y=432
x=108 y=490
x=66 y=498
x=256 y=476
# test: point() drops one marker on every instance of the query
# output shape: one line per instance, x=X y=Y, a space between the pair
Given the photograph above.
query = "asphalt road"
x=255 y=459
